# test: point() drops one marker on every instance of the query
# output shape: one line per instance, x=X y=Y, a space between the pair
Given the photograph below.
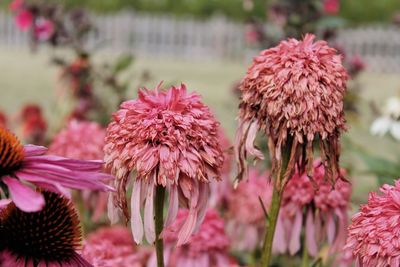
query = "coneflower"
x=168 y=139
x=20 y=164
x=49 y=237
x=293 y=93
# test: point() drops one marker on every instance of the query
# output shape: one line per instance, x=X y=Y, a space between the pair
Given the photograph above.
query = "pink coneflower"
x=24 y=19
x=374 y=232
x=33 y=124
x=294 y=93
x=47 y=238
x=113 y=247
x=331 y=6
x=221 y=189
x=169 y=139
x=247 y=217
x=314 y=203
x=20 y=164
x=79 y=140
x=43 y=29
x=208 y=247
x=83 y=140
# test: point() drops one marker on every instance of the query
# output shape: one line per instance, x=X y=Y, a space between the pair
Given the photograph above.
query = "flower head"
x=208 y=247
x=294 y=93
x=49 y=237
x=323 y=207
x=79 y=140
x=20 y=164
x=170 y=139
x=246 y=212
x=113 y=247
x=374 y=231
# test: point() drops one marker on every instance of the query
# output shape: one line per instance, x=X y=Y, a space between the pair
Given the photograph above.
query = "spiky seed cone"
x=50 y=235
x=11 y=152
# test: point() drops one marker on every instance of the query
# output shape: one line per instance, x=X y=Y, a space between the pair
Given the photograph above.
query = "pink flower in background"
x=44 y=29
x=33 y=124
x=356 y=65
x=20 y=164
x=24 y=19
x=247 y=218
x=373 y=235
x=323 y=207
x=114 y=247
x=170 y=139
x=294 y=93
x=331 y=6
x=79 y=140
x=83 y=140
x=16 y=5
x=221 y=189
x=208 y=247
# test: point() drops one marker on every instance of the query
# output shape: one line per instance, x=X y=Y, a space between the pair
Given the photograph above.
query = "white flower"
x=390 y=121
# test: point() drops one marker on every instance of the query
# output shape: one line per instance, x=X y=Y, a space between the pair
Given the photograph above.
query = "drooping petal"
x=294 y=244
x=149 y=225
x=24 y=197
x=173 y=205
x=310 y=234
x=136 y=217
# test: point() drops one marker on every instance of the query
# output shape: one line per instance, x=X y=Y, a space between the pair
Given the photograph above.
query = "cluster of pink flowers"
x=374 y=235
x=246 y=214
x=208 y=247
x=113 y=247
x=331 y=6
x=169 y=139
x=324 y=208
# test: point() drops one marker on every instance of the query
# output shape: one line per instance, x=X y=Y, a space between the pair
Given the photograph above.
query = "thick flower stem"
x=159 y=223
x=274 y=209
x=305 y=259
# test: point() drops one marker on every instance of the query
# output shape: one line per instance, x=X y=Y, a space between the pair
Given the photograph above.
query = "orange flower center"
x=11 y=152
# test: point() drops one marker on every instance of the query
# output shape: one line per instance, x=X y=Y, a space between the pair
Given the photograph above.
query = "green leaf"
x=122 y=63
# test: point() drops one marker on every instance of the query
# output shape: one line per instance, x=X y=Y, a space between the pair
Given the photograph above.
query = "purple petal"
x=294 y=244
x=136 y=217
x=24 y=197
x=32 y=150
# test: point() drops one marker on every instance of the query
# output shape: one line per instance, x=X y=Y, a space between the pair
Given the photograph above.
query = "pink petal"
x=202 y=204
x=4 y=202
x=330 y=228
x=32 y=150
x=112 y=211
x=149 y=227
x=187 y=228
x=310 y=234
x=173 y=205
x=24 y=197
x=279 y=243
x=136 y=217
x=294 y=244
x=251 y=137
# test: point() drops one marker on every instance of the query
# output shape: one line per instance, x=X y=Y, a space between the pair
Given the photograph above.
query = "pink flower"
x=324 y=209
x=374 y=232
x=47 y=238
x=169 y=139
x=113 y=247
x=33 y=124
x=16 y=5
x=207 y=248
x=294 y=93
x=44 y=29
x=24 y=19
x=79 y=140
x=357 y=65
x=331 y=6
x=20 y=164
x=245 y=210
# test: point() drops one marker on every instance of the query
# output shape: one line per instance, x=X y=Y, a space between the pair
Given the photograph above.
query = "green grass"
x=27 y=78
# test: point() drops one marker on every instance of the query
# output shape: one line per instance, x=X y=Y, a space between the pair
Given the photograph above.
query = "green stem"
x=159 y=224
x=274 y=208
x=305 y=260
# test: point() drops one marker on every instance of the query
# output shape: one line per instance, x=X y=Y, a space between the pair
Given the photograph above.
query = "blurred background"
x=208 y=45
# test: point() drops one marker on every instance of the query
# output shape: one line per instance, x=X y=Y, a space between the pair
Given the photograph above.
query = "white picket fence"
x=215 y=38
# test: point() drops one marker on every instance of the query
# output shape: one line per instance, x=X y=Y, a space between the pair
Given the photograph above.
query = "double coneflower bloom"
x=163 y=139
x=22 y=167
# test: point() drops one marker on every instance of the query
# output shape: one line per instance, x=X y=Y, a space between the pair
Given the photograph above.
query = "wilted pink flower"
x=356 y=65
x=294 y=93
x=79 y=140
x=33 y=124
x=323 y=207
x=247 y=217
x=113 y=247
x=20 y=164
x=331 y=6
x=170 y=139
x=374 y=232
x=221 y=189
x=208 y=247
x=83 y=140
